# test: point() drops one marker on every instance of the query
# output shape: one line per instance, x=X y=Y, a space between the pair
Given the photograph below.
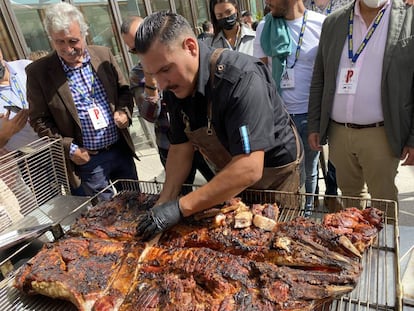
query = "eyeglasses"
x=133 y=51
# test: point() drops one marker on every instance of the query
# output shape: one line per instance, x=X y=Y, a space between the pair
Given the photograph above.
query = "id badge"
x=97 y=118
x=348 y=81
x=287 y=80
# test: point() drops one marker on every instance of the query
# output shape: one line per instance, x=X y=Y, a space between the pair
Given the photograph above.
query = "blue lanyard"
x=328 y=8
x=93 y=86
x=19 y=93
x=353 y=57
x=300 y=40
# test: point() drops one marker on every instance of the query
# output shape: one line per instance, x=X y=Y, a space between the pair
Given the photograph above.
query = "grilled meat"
x=298 y=243
x=83 y=271
x=203 y=279
x=115 y=219
x=360 y=226
x=204 y=263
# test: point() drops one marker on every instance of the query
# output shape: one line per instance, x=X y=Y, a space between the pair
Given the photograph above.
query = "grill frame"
x=35 y=173
x=379 y=287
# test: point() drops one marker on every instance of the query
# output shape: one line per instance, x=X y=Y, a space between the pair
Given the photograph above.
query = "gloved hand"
x=158 y=219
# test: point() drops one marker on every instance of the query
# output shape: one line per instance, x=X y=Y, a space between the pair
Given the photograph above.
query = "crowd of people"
x=248 y=106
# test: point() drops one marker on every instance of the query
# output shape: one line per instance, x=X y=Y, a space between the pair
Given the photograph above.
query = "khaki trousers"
x=363 y=155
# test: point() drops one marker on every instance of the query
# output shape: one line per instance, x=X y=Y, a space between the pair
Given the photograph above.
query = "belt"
x=106 y=148
x=298 y=114
x=360 y=126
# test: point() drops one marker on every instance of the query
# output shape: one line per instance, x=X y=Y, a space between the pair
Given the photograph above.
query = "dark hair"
x=164 y=26
x=126 y=24
x=246 y=13
x=206 y=25
x=254 y=25
x=213 y=18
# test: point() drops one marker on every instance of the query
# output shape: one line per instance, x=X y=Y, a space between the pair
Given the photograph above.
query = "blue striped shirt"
x=88 y=92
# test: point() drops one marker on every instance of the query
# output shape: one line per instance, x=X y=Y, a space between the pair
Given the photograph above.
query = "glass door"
x=6 y=43
x=132 y=8
x=160 y=5
x=102 y=29
x=201 y=14
x=183 y=8
x=29 y=14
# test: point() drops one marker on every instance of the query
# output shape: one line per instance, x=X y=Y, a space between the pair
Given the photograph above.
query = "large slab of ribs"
x=231 y=257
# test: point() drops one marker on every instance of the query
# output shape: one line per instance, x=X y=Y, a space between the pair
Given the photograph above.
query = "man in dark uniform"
x=208 y=31
x=237 y=121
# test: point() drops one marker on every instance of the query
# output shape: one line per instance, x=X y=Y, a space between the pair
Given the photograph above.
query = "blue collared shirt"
x=88 y=92
x=27 y=134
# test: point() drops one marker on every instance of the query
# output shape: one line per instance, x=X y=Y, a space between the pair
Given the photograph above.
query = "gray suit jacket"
x=51 y=106
x=397 y=89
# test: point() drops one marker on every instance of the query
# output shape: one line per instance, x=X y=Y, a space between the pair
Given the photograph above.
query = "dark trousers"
x=330 y=180
x=198 y=164
x=104 y=167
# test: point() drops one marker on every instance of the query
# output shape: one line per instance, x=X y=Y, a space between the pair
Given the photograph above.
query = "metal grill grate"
x=31 y=176
x=379 y=286
x=34 y=190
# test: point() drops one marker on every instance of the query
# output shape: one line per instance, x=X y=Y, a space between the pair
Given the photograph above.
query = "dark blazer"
x=51 y=107
x=397 y=83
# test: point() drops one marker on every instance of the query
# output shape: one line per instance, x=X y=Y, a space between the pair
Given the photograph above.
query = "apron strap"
x=213 y=62
x=299 y=152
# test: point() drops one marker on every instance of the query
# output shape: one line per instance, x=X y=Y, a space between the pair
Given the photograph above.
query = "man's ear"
x=191 y=45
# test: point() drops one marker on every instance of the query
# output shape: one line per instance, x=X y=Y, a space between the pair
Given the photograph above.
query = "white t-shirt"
x=297 y=98
x=257 y=47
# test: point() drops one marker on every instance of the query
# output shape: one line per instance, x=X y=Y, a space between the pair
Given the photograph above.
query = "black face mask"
x=2 y=70
x=228 y=22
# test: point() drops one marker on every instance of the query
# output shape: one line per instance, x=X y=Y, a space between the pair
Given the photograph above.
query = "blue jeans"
x=311 y=157
x=104 y=167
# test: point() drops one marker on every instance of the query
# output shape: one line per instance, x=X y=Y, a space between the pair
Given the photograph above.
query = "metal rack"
x=33 y=175
x=379 y=287
x=34 y=190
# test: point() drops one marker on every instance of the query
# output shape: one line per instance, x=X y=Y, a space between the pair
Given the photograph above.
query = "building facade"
x=22 y=31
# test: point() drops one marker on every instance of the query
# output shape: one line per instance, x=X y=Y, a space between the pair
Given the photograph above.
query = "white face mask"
x=374 y=3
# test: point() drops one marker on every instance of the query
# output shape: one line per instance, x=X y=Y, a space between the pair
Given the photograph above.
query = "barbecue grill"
x=379 y=287
x=36 y=208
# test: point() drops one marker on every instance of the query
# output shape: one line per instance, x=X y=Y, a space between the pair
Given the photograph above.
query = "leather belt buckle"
x=364 y=126
x=353 y=126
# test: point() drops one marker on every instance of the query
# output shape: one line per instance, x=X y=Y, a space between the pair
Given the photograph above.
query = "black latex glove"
x=158 y=219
